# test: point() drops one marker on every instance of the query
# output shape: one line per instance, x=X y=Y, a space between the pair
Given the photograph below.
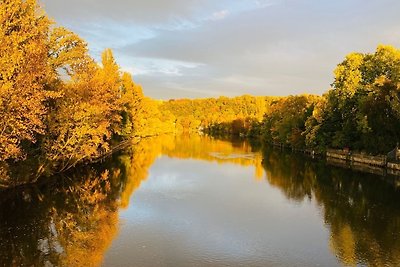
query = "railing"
x=338 y=154
x=370 y=160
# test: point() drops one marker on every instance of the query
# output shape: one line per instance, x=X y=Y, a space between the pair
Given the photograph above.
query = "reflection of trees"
x=86 y=231
x=18 y=173
x=137 y=163
x=72 y=221
x=216 y=150
x=68 y=223
x=362 y=211
x=296 y=178
x=143 y=155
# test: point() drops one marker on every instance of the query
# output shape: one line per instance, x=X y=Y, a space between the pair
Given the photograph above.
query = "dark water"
x=197 y=201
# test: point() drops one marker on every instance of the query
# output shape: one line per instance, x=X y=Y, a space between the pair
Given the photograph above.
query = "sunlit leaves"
x=216 y=114
x=23 y=69
x=285 y=123
x=361 y=111
x=66 y=51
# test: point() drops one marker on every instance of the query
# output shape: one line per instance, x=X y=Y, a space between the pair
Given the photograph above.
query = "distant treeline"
x=204 y=114
x=360 y=112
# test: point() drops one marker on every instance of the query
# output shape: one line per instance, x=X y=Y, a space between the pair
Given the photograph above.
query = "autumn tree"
x=23 y=71
x=132 y=101
x=56 y=101
x=88 y=115
x=152 y=121
x=67 y=54
x=285 y=123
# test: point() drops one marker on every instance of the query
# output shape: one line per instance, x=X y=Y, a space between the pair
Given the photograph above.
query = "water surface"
x=198 y=201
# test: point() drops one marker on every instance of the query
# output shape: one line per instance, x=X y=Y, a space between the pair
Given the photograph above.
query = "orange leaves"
x=66 y=50
x=23 y=68
x=82 y=113
x=91 y=112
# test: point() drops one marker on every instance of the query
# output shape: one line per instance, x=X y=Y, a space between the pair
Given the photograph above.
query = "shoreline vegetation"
x=60 y=108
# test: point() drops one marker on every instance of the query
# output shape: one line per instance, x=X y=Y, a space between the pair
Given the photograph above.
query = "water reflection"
x=234 y=151
x=63 y=224
x=73 y=220
x=361 y=210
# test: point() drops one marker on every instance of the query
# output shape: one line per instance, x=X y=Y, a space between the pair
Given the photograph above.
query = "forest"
x=360 y=112
x=60 y=108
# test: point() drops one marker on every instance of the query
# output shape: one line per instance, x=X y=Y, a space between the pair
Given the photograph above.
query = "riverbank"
x=379 y=164
x=33 y=171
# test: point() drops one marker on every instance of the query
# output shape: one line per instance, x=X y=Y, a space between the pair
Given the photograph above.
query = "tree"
x=361 y=111
x=132 y=101
x=85 y=119
x=286 y=122
x=23 y=71
x=67 y=52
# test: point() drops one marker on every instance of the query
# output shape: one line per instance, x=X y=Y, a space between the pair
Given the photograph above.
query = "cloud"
x=285 y=49
x=202 y=47
x=149 y=12
x=220 y=14
x=265 y=3
x=162 y=67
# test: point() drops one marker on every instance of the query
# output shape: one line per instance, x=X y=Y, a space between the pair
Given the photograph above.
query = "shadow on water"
x=72 y=220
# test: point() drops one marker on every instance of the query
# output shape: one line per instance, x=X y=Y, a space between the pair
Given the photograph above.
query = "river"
x=199 y=201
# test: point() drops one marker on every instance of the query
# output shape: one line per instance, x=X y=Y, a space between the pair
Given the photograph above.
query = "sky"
x=208 y=48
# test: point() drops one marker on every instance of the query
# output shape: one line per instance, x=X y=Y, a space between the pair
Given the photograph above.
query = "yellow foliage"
x=23 y=69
